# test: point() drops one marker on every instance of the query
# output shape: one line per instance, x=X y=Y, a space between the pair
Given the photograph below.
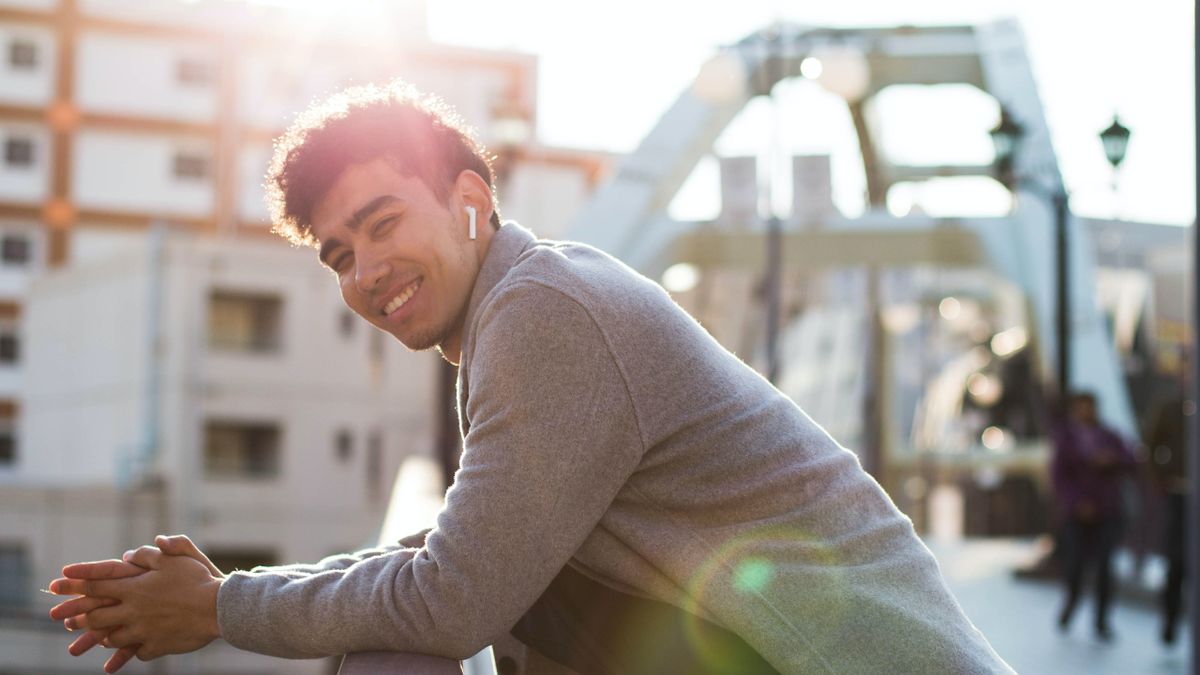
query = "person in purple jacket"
x=1090 y=463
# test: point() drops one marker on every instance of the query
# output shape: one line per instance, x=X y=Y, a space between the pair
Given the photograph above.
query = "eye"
x=341 y=261
x=383 y=225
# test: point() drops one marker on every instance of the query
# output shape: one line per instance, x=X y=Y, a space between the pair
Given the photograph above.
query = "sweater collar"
x=508 y=243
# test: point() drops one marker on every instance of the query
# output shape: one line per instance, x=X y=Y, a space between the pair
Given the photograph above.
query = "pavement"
x=1019 y=616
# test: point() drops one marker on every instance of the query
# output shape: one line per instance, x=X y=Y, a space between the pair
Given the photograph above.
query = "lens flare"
x=744 y=570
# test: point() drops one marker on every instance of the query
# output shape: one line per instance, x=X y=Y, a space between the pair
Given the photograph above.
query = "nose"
x=371 y=273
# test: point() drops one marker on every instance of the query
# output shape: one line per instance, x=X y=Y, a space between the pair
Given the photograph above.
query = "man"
x=1090 y=463
x=631 y=497
x=1169 y=476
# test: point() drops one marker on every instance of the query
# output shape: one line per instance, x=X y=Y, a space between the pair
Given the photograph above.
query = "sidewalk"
x=1019 y=617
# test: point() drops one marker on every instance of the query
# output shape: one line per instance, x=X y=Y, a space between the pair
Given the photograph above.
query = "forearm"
x=304 y=615
x=334 y=562
x=341 y=561
x=532 y=487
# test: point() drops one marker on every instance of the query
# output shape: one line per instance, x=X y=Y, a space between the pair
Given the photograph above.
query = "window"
x=18 y=151
x=10 y=347
x=230 y=559
x=374 y=466
x=191 y=166
x=14 y=576
x=344 y=445
x=375 y=346
x=346 y=322
x=244 y=322
x=14 y=248
x=195 y=72
x=8 y=446
x=241 y=450
x=22 y=54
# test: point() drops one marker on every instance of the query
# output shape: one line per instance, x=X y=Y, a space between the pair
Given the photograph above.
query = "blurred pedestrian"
x=1090 y=462
x=1168 y=467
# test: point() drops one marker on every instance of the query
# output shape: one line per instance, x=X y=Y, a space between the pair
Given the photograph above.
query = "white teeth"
x=398 y=301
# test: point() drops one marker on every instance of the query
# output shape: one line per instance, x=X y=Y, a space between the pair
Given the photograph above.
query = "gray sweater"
x=605 y=429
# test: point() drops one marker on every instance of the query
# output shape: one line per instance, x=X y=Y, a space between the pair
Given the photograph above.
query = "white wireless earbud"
x=471 y=220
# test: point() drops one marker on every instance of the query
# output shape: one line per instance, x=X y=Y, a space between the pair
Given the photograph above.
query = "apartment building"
x=165 y=363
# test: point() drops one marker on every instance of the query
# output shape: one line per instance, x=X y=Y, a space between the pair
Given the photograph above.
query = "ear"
x=471 y=189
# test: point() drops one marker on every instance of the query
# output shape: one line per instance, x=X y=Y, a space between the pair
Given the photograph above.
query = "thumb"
x=181 y=544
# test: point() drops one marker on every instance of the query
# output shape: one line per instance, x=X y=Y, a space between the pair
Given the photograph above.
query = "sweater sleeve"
x=553 y=437
x=334 y=562
x=342 y=560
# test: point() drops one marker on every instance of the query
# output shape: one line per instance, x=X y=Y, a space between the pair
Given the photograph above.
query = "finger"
x=146 y=557
x=86 y=641
x=102 y=569
x=66 y=586
x=81 y=605
x=107 y=618
x=120 y=658
x=180 y=544
x=78 y=622
x=105 y=588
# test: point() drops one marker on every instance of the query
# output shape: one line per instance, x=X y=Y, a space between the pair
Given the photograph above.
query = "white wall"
x=138 y=77
x=135 y=172
x=545 y=197
x=474 y=94
x=274 y=87
x=91 y=243
x=27 y=86
x=85 y=352
x=252 y=168
x=25 y=184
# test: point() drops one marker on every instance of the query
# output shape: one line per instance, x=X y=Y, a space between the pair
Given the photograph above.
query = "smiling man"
x=631 y=499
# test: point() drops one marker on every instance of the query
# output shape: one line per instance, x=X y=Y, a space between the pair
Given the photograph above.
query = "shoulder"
x=570 y=278
x=528 y=319
x=577 y=270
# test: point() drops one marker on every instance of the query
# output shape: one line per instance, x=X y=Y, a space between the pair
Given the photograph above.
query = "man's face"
x=401 y=255
x=1084 y=410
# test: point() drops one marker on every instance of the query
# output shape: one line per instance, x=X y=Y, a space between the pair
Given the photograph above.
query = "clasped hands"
x=156 y=600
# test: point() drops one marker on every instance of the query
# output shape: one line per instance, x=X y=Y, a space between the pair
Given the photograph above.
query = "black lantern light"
x=1116 y=140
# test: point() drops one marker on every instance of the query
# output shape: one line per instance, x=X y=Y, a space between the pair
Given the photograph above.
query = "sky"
x=607 y=71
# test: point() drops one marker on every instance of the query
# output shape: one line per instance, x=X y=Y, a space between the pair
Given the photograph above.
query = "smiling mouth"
x=401 y=298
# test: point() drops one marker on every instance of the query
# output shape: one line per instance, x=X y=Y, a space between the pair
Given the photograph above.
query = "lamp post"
x=773 y=72
x=1006 y=139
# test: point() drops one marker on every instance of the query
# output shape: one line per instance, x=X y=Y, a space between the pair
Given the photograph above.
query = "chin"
x=419 y=341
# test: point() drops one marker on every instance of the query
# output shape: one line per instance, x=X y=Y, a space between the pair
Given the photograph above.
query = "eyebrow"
x=356 y=220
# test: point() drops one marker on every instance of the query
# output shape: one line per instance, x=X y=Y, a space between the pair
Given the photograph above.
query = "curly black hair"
x=418 y=133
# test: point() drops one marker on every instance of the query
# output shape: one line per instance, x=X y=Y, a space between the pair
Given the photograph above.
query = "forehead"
x=359 y=185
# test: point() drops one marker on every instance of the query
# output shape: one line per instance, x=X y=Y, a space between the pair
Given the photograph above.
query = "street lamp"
x=1116 y=140
x=1006 y=139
